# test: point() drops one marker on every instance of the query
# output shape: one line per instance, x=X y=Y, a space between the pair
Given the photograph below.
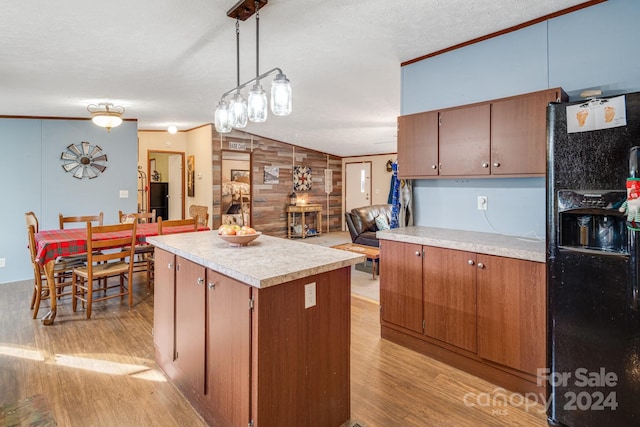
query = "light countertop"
x=265 y=262
x=529 y=249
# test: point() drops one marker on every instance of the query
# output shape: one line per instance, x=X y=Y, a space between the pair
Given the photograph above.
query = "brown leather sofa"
x=361 y=223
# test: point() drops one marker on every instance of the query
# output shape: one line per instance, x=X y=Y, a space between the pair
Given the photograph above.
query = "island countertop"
x=267 y=261
x=529 y=249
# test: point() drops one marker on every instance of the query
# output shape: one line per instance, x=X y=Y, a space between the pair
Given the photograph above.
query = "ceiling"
x=169 y=61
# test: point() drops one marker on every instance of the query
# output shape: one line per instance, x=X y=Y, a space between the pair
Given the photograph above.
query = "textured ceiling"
x=169 y=61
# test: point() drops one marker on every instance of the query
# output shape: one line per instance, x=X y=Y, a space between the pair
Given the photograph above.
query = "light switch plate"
x=2 y=260
x=124 y=194
x=310 y=295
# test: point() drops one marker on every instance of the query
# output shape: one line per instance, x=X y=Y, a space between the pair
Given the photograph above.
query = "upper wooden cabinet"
x=418 y=144
x=503 y=137
x=464 y=141
x=519 y=133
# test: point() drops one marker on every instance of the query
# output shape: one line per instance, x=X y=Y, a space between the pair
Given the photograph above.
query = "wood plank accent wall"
x=269 y=201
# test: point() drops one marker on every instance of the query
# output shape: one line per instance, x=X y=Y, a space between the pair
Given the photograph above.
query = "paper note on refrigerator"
x=597 y=114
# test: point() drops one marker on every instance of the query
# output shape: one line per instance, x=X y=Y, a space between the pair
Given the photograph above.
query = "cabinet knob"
x=434 y=167
x=170 y=266
x=470 y=262
x=211 y=285
x=485 y=165
x=200 y=280
x=417 y=253
x=480 y=265
x=496 y=165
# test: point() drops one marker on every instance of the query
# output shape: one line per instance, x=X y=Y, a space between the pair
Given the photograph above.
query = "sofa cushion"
x=382 y=223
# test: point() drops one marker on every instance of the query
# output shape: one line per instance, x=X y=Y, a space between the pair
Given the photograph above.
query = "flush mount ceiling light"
x=236 y=113
x=106 y=115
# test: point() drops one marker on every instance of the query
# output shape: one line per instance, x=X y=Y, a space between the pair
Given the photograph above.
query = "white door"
x=358 y=185
x=175 y=187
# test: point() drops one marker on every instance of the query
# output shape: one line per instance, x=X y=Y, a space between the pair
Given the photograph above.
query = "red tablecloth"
x=73 y=241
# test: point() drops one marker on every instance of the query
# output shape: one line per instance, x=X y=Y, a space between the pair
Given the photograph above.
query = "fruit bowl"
x=240 y=240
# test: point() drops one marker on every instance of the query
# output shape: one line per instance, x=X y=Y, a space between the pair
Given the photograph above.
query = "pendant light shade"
x=223 y=125
x=281 y=95
x=238 y=111
x=257 y=104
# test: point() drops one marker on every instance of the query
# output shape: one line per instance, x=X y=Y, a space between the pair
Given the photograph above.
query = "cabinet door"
x=401 y=284
x=190 y=324
x=228 y=349
x=511 y=312
x=450 y=296
x=464 y=140
x=418 y=145
x=163 y=308
x=519 y=134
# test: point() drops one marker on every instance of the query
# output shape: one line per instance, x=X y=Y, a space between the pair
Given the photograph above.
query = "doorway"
x=357 y=185
x=235 y=206
x=166 y=183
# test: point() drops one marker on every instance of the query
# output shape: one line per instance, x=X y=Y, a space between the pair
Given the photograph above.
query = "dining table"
x=52 y=244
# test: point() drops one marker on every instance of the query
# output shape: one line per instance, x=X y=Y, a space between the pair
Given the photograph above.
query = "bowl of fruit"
x=236 y=235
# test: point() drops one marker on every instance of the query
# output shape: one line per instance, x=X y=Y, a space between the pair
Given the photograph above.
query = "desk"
x=73 y=241
x=370 y=252
x=303 y=210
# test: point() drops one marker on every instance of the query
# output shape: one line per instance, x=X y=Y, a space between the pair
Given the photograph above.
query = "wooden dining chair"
x=142 y=252
x=83 y=219
x=202 y=212
x=141 y=217
x=61 y=271
x=162 y=224
x=62 y=268
x=108 y=255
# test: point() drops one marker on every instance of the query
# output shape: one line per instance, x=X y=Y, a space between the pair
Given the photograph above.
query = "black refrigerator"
x=593 y=372
x=159 y=199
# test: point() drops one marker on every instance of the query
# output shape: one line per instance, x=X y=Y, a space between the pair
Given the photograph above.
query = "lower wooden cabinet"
x=481 y=313
x=512 y=312
x=401 y=288
x=449 y=285
x=190 y=327
x=228 y=349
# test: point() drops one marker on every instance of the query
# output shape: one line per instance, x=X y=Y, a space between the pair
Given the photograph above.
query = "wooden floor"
x=102 y=372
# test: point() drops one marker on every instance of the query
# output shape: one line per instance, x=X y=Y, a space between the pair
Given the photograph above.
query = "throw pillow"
x=382 y=223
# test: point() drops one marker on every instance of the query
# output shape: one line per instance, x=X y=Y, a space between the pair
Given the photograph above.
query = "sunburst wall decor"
x=84 y=160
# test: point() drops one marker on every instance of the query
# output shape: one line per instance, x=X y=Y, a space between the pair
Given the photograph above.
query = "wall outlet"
x=124 y=194
x=310 y=295
x=483 y=201
x=2 y=260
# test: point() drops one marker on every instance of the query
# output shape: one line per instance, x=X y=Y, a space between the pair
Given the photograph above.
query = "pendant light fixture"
x=106 y=115
x=238 y=106
x=236 y=113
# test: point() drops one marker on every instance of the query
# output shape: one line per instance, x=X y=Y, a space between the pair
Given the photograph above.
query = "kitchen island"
x=255 y=335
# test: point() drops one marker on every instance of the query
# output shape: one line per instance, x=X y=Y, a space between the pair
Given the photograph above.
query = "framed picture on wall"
x=191 y=171
x=240 y=175
x=271 y=175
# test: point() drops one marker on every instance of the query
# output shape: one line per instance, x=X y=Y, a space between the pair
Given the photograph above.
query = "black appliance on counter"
x=592 y=275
